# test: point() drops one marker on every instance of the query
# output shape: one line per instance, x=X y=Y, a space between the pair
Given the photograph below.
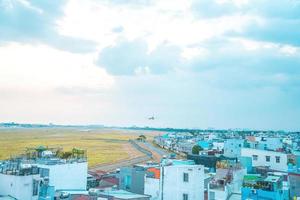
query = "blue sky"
x=192 y=63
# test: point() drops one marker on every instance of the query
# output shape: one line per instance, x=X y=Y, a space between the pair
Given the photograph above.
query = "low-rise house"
x=218 y=145
x=185 y=146
x=40 y=173
x=275 y=160
x=181 y=180
x=270 y=143
x=132 y=179
x=20 y=181
x=294 y=182
x=152 y=181
x=227 y=181
x=204 y=144
x=258 y=187
x=232 y=147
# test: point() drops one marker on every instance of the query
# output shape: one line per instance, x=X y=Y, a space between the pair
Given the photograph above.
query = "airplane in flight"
x=151 y=118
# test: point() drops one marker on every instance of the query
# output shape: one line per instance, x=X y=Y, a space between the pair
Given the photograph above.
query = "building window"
x=185 y=177
x=185 y=197
x=277 y=159
x=35 y=188
x=268 y=158
x=255 y=157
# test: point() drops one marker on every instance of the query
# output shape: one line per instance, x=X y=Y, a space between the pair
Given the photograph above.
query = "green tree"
x=196 y=149
x=142 y=138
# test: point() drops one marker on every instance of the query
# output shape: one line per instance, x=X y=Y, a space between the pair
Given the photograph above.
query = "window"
x=44 y=172
x=255 y=157
x=268 y=158
x=185 y=177
x=277 y=159
x=185 y=197
x=35 y=188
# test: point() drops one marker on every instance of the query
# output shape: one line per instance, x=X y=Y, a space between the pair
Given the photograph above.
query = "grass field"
x=102 y=145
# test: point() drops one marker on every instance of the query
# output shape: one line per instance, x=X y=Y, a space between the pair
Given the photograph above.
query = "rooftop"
x=173 y=162
x=7 y=198
x=252 y=177
x=272 y=179
x=122 y=194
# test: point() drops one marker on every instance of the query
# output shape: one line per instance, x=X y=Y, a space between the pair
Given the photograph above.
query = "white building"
x=275 y=160
x=232 y=148
x=18 y=185
x=182 y=182
x=67 y=176
x=152 y=187
x=270 y=143
x=218 y=146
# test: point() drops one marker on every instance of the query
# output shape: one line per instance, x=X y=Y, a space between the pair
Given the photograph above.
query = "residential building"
x=272 y=159
x=20 y=181
x=232 y=147
x=258 y=187
x=294 y=182
x=152 y=181
x=132 y=179
x=181 y=180
x=227 y=181
x=74 y=173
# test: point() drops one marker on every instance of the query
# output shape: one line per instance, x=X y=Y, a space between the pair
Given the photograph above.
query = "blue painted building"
x=204 y=144
x=256 y=187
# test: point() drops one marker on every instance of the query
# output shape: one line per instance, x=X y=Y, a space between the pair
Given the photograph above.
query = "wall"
x=174 y=187
x=261 y=194
x=19 y=187
x=218 y=194
x=152 y=188
x=218 y=145
x=238 y=177
x=232 y=147
x=261 y=161
x=132 y=179
x=69 y=176
x=272 y=143
x=294 y=180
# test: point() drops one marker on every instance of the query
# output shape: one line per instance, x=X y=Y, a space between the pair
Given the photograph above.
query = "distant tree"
x=196 y=149
x=142 y=138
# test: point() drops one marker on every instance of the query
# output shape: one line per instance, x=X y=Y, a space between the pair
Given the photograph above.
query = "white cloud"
x=42 y=67
x=170 y=21
x=39 y=84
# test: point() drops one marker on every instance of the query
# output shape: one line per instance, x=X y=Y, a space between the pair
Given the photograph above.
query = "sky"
x=188 y=63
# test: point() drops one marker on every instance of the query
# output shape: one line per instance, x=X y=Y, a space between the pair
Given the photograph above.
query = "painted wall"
x=69 y=176
x=19 y=187
x=271 y=143
x=173 y=187
x=152 y=188
x=261 y=159
x=262 y=194
x=132 y=179
x=218 y=145
x=232 y=148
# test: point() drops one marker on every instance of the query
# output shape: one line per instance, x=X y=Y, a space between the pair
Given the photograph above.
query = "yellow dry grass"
x=102 y=145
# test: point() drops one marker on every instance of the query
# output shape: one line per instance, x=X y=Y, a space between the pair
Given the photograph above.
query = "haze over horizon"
x=192 y=63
